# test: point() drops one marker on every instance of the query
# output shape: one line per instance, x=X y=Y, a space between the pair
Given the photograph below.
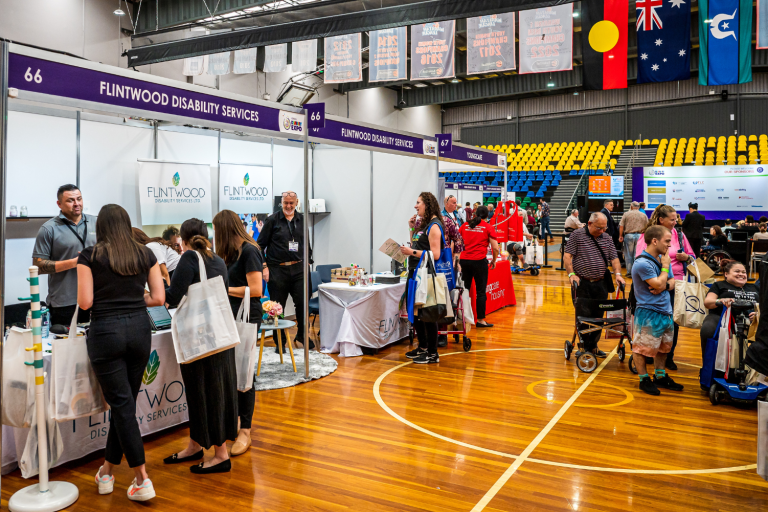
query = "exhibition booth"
x=167 y=151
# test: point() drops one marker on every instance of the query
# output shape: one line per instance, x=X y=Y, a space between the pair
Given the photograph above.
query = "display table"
x=162 y=403
x=360 y=316
x=501 y=292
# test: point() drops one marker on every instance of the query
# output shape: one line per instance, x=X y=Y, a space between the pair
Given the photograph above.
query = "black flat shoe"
x=221 y=467
x=483 y=326
x=175 y=459
x=311 y=343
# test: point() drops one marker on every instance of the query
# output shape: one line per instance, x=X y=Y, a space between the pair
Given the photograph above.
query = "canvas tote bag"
x=689 y=310
x=18 y=379
x=245 y=351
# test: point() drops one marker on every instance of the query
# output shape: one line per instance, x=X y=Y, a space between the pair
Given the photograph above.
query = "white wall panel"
x=397 y=183
x=189 y=148
x=288 y=171
x=42 y=156
x=245 y=152
x=18 y=258
x=108 y=155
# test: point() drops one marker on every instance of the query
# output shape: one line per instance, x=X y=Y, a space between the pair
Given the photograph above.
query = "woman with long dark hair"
x=478 y=235
x=210 y=382
x=166 y=253
x=424 y=238
x=110 y=282
x=244 y=261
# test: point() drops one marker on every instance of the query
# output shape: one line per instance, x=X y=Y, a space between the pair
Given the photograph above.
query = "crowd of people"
x=110 y=273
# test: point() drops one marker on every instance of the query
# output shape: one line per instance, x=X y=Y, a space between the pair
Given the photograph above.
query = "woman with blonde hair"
x=245 y=261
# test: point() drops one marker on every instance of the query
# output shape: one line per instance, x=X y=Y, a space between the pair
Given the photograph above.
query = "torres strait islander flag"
x=663 y=40
x=725 y=42
x=604 y=27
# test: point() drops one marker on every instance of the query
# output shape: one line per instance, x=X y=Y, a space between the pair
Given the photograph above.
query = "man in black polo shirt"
x=587 y=264
x=282 y=240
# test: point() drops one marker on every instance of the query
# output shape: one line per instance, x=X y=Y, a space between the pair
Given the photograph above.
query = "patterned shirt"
x=544 y=209
x=451 y=235
x=633 y=221
x=588 y=261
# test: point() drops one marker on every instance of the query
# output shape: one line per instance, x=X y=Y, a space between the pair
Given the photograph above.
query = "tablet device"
x=160 y=318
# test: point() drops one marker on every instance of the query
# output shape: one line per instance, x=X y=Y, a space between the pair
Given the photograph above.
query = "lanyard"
x=290 y=227
x=74 y=231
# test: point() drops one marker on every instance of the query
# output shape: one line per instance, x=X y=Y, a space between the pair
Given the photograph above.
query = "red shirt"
x=476 y=240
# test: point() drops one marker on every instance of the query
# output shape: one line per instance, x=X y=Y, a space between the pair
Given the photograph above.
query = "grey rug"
x=276 y=376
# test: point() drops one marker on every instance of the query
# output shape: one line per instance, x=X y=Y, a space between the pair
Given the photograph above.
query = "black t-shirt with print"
x=725 y=290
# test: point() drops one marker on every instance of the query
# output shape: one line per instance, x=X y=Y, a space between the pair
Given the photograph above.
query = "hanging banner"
x=304 y=56
x=546 y=39
x=195 y=66
x=276 y=59
x=432 y=50
x=491 y=43
x=245 y=61
x=388 y=55
x=762 y=24
x=218 y=64
x=245 y=189
x=171 y=193
x=343 y=59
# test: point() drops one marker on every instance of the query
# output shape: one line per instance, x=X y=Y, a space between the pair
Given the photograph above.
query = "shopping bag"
x=530 y=253
x=689 y=310
x=705 y=273
x=755 y=323
x=245 y=351
x=76 y=391
x=539 y=259
x=434 y=309
x=18 y=379
x=444 y=265
x=723 y=334
x=450 y=315
x=762 y=439
x=466 y=305
x=29 y=463
x=420 y=296
x=203 y=324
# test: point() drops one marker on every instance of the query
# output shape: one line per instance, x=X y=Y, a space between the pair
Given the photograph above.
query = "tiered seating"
x=565 y=156
x=532 y=183
x=733 y=150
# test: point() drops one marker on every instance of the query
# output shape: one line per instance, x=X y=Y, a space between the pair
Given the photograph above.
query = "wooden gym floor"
x=508 y=426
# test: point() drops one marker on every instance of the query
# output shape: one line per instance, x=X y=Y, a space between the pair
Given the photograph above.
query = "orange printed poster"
x=599 y=184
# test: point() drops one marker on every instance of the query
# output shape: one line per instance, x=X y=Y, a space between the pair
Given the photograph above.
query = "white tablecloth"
x=162 y=403
x=360 y=316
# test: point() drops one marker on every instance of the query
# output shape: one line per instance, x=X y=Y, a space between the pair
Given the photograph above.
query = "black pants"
x=708 y=330
x=427 y=334
x=289 y=280
x=246 y=400
x=696 y=245
x=593 y=291
x=63 y=315
x=119 y=348
x=476 y=270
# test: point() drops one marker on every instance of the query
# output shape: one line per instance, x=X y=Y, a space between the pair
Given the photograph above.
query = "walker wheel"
x=621 y=352
x=534 y=271
x=714 y=394
x=467 y=344
x=632 y=366
x=568 y=350
x=587 y=362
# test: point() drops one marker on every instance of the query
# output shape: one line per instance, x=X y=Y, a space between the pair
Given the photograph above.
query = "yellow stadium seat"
x=654 y=142
x=658 y=163
x=742 y=138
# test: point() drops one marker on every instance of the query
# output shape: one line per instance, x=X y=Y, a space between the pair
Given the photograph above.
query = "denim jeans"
x=545 y=228
x=630 y=247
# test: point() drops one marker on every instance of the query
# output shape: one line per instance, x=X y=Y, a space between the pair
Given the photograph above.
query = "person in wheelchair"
x=516 y=250
x=654 y=329
x=717 y=240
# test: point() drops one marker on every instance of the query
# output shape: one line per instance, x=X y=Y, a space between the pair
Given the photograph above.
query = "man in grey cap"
x=58 y=243
x=632 y=225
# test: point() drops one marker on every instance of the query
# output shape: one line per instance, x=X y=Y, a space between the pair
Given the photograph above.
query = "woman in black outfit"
x=425 y=239
x=110 y=282
x=244 y=262
x=211 y=382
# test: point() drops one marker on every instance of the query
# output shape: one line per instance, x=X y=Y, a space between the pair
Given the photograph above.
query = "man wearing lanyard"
x=282 y=240
x=58 y=243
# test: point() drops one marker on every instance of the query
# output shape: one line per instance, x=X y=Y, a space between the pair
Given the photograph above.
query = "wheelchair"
x=587 y=359
x=714 y=258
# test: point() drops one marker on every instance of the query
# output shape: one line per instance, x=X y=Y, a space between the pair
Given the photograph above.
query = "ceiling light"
x=576 y=14
x=406 y=88
x=455 y=81
x=550 y=84
x=420 y=85
x=119 y=12
x=576 y=93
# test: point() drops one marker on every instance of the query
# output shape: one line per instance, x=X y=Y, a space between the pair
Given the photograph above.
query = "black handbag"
x=607 y=277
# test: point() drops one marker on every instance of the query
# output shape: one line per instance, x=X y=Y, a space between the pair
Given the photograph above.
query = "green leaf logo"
x=150 y=374
x=176 y=179
x=246 y=179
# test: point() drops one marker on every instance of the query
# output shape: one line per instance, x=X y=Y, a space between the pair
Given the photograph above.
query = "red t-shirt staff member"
x=477 y=234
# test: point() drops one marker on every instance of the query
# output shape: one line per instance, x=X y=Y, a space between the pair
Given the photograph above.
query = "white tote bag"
x=29 y=463
x=421 y=279
x=722 y=359
x=18 y=379
x=203 y=324
x=76 y=391
x=689 y=301
x=762 y=439
x=530 y=253
x=245 y=351
x=539 y=259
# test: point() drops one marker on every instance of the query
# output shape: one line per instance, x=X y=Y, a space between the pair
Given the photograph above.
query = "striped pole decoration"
x=37 y=346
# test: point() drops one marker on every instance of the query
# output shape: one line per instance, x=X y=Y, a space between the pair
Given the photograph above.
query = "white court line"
x=532 y=446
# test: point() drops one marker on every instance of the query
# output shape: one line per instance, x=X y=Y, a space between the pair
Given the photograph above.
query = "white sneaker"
x=106 y=483
x=143 y=492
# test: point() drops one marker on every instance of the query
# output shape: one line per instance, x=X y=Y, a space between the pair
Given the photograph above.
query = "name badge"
x=293 y=246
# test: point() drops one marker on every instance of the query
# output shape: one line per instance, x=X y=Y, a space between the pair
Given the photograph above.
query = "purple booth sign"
x=371 y=137
x=56 y=79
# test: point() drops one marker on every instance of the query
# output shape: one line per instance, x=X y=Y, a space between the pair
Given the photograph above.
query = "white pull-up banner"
x=170 y=193
x=245 y=189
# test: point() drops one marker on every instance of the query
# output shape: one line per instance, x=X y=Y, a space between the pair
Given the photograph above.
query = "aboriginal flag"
x=604 y=43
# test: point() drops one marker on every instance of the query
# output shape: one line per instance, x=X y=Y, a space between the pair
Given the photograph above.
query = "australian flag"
x=663 y=40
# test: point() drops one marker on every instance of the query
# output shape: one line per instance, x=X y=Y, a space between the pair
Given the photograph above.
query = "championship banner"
x=245 y=189
x=546 y=39
x=245 y=61
x=304 y=56
x=276 y=58
x=194 y=66
x=388 y=55
x=170 y=193
x=433 y=46
x=218 y=63
x=762 y=24
x=491 y=43
x=343 y=59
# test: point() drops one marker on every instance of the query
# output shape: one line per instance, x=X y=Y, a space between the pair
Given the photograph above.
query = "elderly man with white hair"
x=572 y=222
x=589 y=256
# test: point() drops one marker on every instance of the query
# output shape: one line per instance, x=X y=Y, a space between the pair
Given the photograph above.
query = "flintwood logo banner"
x=246 y=179
x=153 y=366
x=176 y=180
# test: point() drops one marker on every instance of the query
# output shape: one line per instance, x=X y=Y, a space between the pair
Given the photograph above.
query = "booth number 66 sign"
x=316 y=113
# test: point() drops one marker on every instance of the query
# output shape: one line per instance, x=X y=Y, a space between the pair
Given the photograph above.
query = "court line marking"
x=628 y=397
x=383 y=405
x=539 y=438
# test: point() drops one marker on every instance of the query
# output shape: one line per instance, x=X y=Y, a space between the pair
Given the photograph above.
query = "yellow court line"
x=532 y=446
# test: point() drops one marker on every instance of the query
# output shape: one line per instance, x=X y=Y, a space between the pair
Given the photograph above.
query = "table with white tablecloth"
x=352 y=317
x=162 y=403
